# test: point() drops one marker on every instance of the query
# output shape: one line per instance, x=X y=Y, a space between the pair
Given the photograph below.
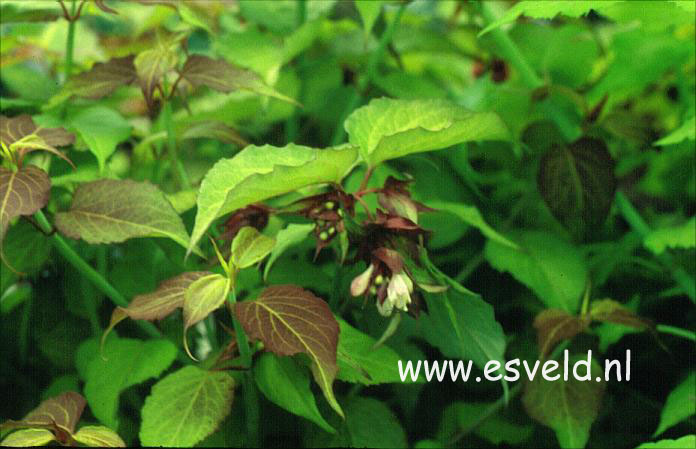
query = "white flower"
x=362 y=281
x=399 y=292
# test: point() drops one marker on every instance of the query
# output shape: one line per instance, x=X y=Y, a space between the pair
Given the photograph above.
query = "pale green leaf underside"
x=98 y=436
x=686 y=131
x=359 y=362
x=682 y=236
x=250 y=247
x=552 y=268
x=28 y=438
x=387 y=129
x=680 y=404
x=203 y=296
x=258 y=173
x=185 y=407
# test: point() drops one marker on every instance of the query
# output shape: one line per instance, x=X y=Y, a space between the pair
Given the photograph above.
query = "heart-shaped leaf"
x=110 y=211
x=258 y=173
x=250 y=247
x=202 y=297
x=568 y=407
x=386 y=129
x=185 y=407
x=98 y=436
x=22 y=192
x=290 y=320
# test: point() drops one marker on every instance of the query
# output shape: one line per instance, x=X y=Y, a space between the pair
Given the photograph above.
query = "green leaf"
x=577 y=182
x=250 y=247
x=202 y=297
x=360 y=362
x=290 y=320
x=102 y=129
x=258 y=173
x=685 y=131
x=680 y=404
x=547 y=10
x=185 y=407
x=213 y=129
x=369 y=12
x=122 y=364
x=471 y=216
x=462 y=417
x=553 y=268
x=387 y=129
x=679 y=443
x=463 y=326
x=22 y=192
x=568 y=407
x=25 y=249
x=681 y=236
x=22 y=135
x=153 y=64
x=221 y=75
x=28 y=438
x=110 y=211
x=286 y=384
x=98 y=436
x=286 y=238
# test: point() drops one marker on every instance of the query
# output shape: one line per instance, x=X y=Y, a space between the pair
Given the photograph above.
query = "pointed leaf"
x=63 y=410
x=110 y=211
x=28 y=438
x=386 y=129
x=471 y=216
x=568 y=407
x=101 y=139
x=152 y=64
x=369 y=12
x=680 y=404
x=98 y=436
x=102 y=79
x=360 y=362
x=202 y=297
x=21 y=193
x=250 y=247
x=463 y=327
x=185 y=407
x=577 y=183
x=615 y=312
x=680 y=443
x=220 y=75
x=553 y=268
x=685 y=131
x=13 y=129
x=258 y=173
x=286 y=384
x=213 y=129
x=286 y=238
x=555 y=325
x=290 y=320
x=122 y=364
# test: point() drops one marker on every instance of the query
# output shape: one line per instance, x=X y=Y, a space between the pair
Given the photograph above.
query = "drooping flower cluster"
x=385 y=278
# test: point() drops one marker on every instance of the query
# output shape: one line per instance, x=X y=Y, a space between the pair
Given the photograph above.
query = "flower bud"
x=360 y=283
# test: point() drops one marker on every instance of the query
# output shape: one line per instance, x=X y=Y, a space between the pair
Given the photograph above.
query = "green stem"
x=366 y=79
x=90 y=273
x=631 y=215
x=24 y=331
x=509 y=50
x=171 y=142
x=251 y=409
x=70 y=43
x=242 y=341
x=677 y=331
x=292 y=125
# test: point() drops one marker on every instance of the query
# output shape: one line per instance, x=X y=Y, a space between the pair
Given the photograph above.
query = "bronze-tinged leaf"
x=152 y=64
x=157 y=305
x=568 y=407
x=213 y=129
x=555 y=325
x=577 y=183
x=26 y=136
x=110 y=211
x=290 y=320
x=103 y=78
x=615 y=312
x=63 y=410
x=13 y=129
x=221 y=75
x=100 y=4
x=21 y=193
